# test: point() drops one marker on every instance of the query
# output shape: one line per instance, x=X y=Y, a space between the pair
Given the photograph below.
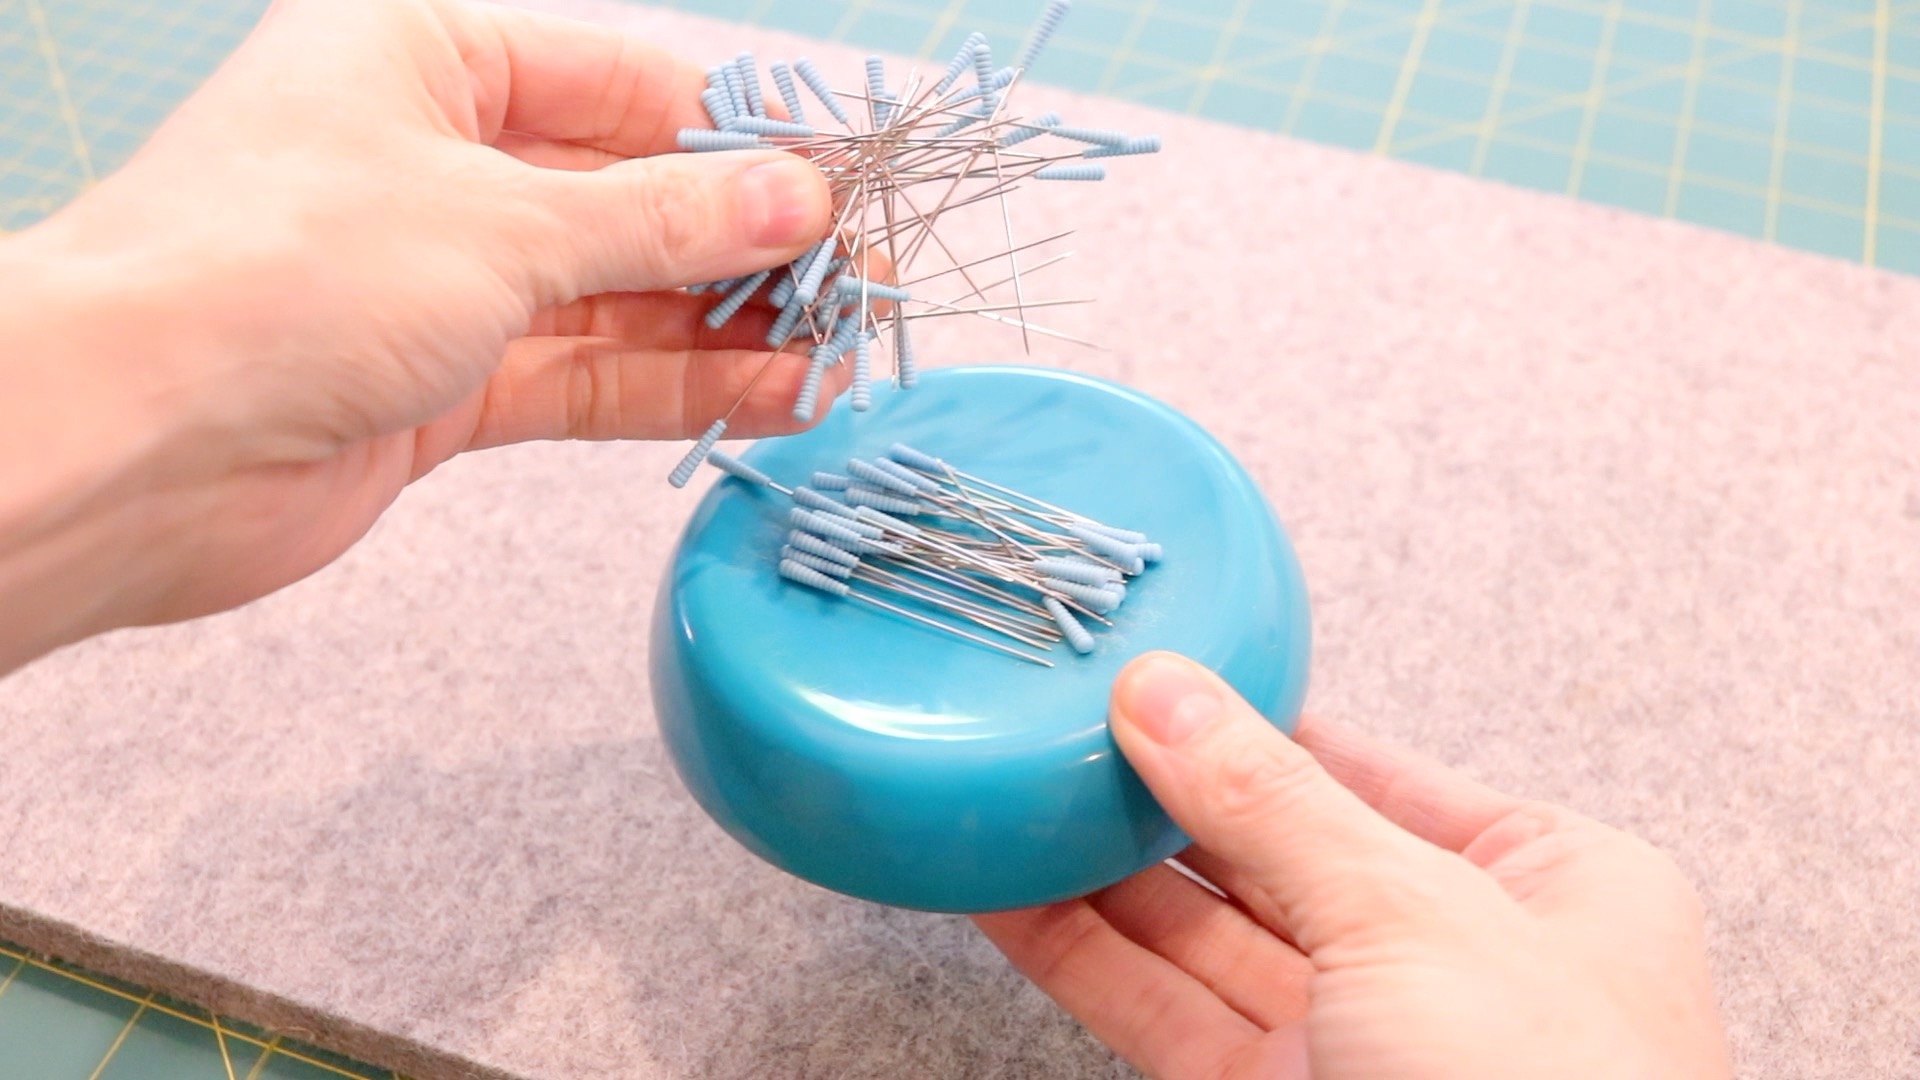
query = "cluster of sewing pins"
x=897 y=158
x=910 y=534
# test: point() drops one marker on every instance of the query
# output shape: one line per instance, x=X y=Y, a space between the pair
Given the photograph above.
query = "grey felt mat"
x=1608 y=511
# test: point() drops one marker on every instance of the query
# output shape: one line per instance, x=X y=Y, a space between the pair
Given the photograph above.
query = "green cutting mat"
x=1794 y=121
x=1797 y=122
x=57 y=1021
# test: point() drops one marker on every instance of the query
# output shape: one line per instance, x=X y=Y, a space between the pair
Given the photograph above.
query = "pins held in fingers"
x=816 y=83
x=1071 y=172
x=702 y=141
x=789 y=94
x=900 y=154
x=685 y=470
x=1042 y=33
x=962 y=60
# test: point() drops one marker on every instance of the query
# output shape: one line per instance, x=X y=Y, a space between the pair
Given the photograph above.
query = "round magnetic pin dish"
x=864 y=751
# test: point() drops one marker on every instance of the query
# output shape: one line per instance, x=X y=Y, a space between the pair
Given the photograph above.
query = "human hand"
x=384 y=232
x=1389 y=918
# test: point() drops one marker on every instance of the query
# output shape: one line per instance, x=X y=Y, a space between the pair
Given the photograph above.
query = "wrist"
x=85 y=382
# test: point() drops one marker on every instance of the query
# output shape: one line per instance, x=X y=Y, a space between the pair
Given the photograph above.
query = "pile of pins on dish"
x=910 y=534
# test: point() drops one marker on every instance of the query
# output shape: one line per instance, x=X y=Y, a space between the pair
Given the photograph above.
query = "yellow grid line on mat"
x=120 y=1039
x=949 y=18
x=1447 y=128
x=1776 y=167
x=1124 y=51
x=1630 y=16
x=1497 y=94
x=1403 y=81
x=220 y=1037
x=1634 y=83
x=57 y=79
x=1603 y=157
x=70 y=73
x=1326 y=41
x=1210 y=75
x=176 y=16
x=759 y=11
x=1650 y=77
x=1315 y=49
x=19 y=965
x=1391 y=20
x=271 y=1046
x=1876 y=128
x=1596 y=97
x=1287 y=48
x=1722 y=33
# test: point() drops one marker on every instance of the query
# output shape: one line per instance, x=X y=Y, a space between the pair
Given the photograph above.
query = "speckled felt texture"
x=1608 y=511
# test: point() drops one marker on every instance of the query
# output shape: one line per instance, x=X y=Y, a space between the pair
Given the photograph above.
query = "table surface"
x=1791 y=121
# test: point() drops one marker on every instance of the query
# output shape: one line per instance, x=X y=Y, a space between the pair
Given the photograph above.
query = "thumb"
x=1329 y=864
x=682 y=219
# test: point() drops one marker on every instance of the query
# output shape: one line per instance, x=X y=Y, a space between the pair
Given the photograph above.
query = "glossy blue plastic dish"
x=886 y=761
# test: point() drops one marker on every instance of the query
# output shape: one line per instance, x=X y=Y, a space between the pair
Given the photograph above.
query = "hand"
x=385 y=232
x=1388 y=918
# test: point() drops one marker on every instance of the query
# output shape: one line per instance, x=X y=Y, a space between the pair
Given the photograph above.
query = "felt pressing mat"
x=1609 y=511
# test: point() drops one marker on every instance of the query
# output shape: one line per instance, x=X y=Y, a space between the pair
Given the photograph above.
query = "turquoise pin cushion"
x=884 y=760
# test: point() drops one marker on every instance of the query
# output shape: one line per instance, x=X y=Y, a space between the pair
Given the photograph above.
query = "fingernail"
x=780 y=202
x=1169 y=699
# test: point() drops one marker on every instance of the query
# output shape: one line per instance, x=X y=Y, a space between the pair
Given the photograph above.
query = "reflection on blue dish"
x=887 y=761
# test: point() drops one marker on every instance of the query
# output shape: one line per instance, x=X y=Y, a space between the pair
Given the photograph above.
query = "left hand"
x=384 y=233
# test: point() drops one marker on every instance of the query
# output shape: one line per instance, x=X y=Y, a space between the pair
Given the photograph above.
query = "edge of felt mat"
x=75 y=943
x=279 y=1015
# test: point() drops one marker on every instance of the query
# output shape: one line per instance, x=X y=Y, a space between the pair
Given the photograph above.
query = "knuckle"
x=1585 y=838
x=1519 y=827
x=1541 y=818
x=619 y=95
x=579 y=399
x=1422 y=896
x=593 y=394
x=1258 y=783
x=1556 y=838
x=670 y=217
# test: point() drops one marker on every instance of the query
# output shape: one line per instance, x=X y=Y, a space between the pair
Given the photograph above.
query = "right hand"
x=1388 y=918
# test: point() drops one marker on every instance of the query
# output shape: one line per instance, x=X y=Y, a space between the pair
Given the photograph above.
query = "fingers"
x=548 y=154
x=1416 y=793
x=576 y=99
x=1158 y=1017
x=664 y=222
x=589 y=388
x=570 y=81
x=1258 y=975
x=677 y=320
x=662 y=321
x=1329 y=864
x=1242 y=889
